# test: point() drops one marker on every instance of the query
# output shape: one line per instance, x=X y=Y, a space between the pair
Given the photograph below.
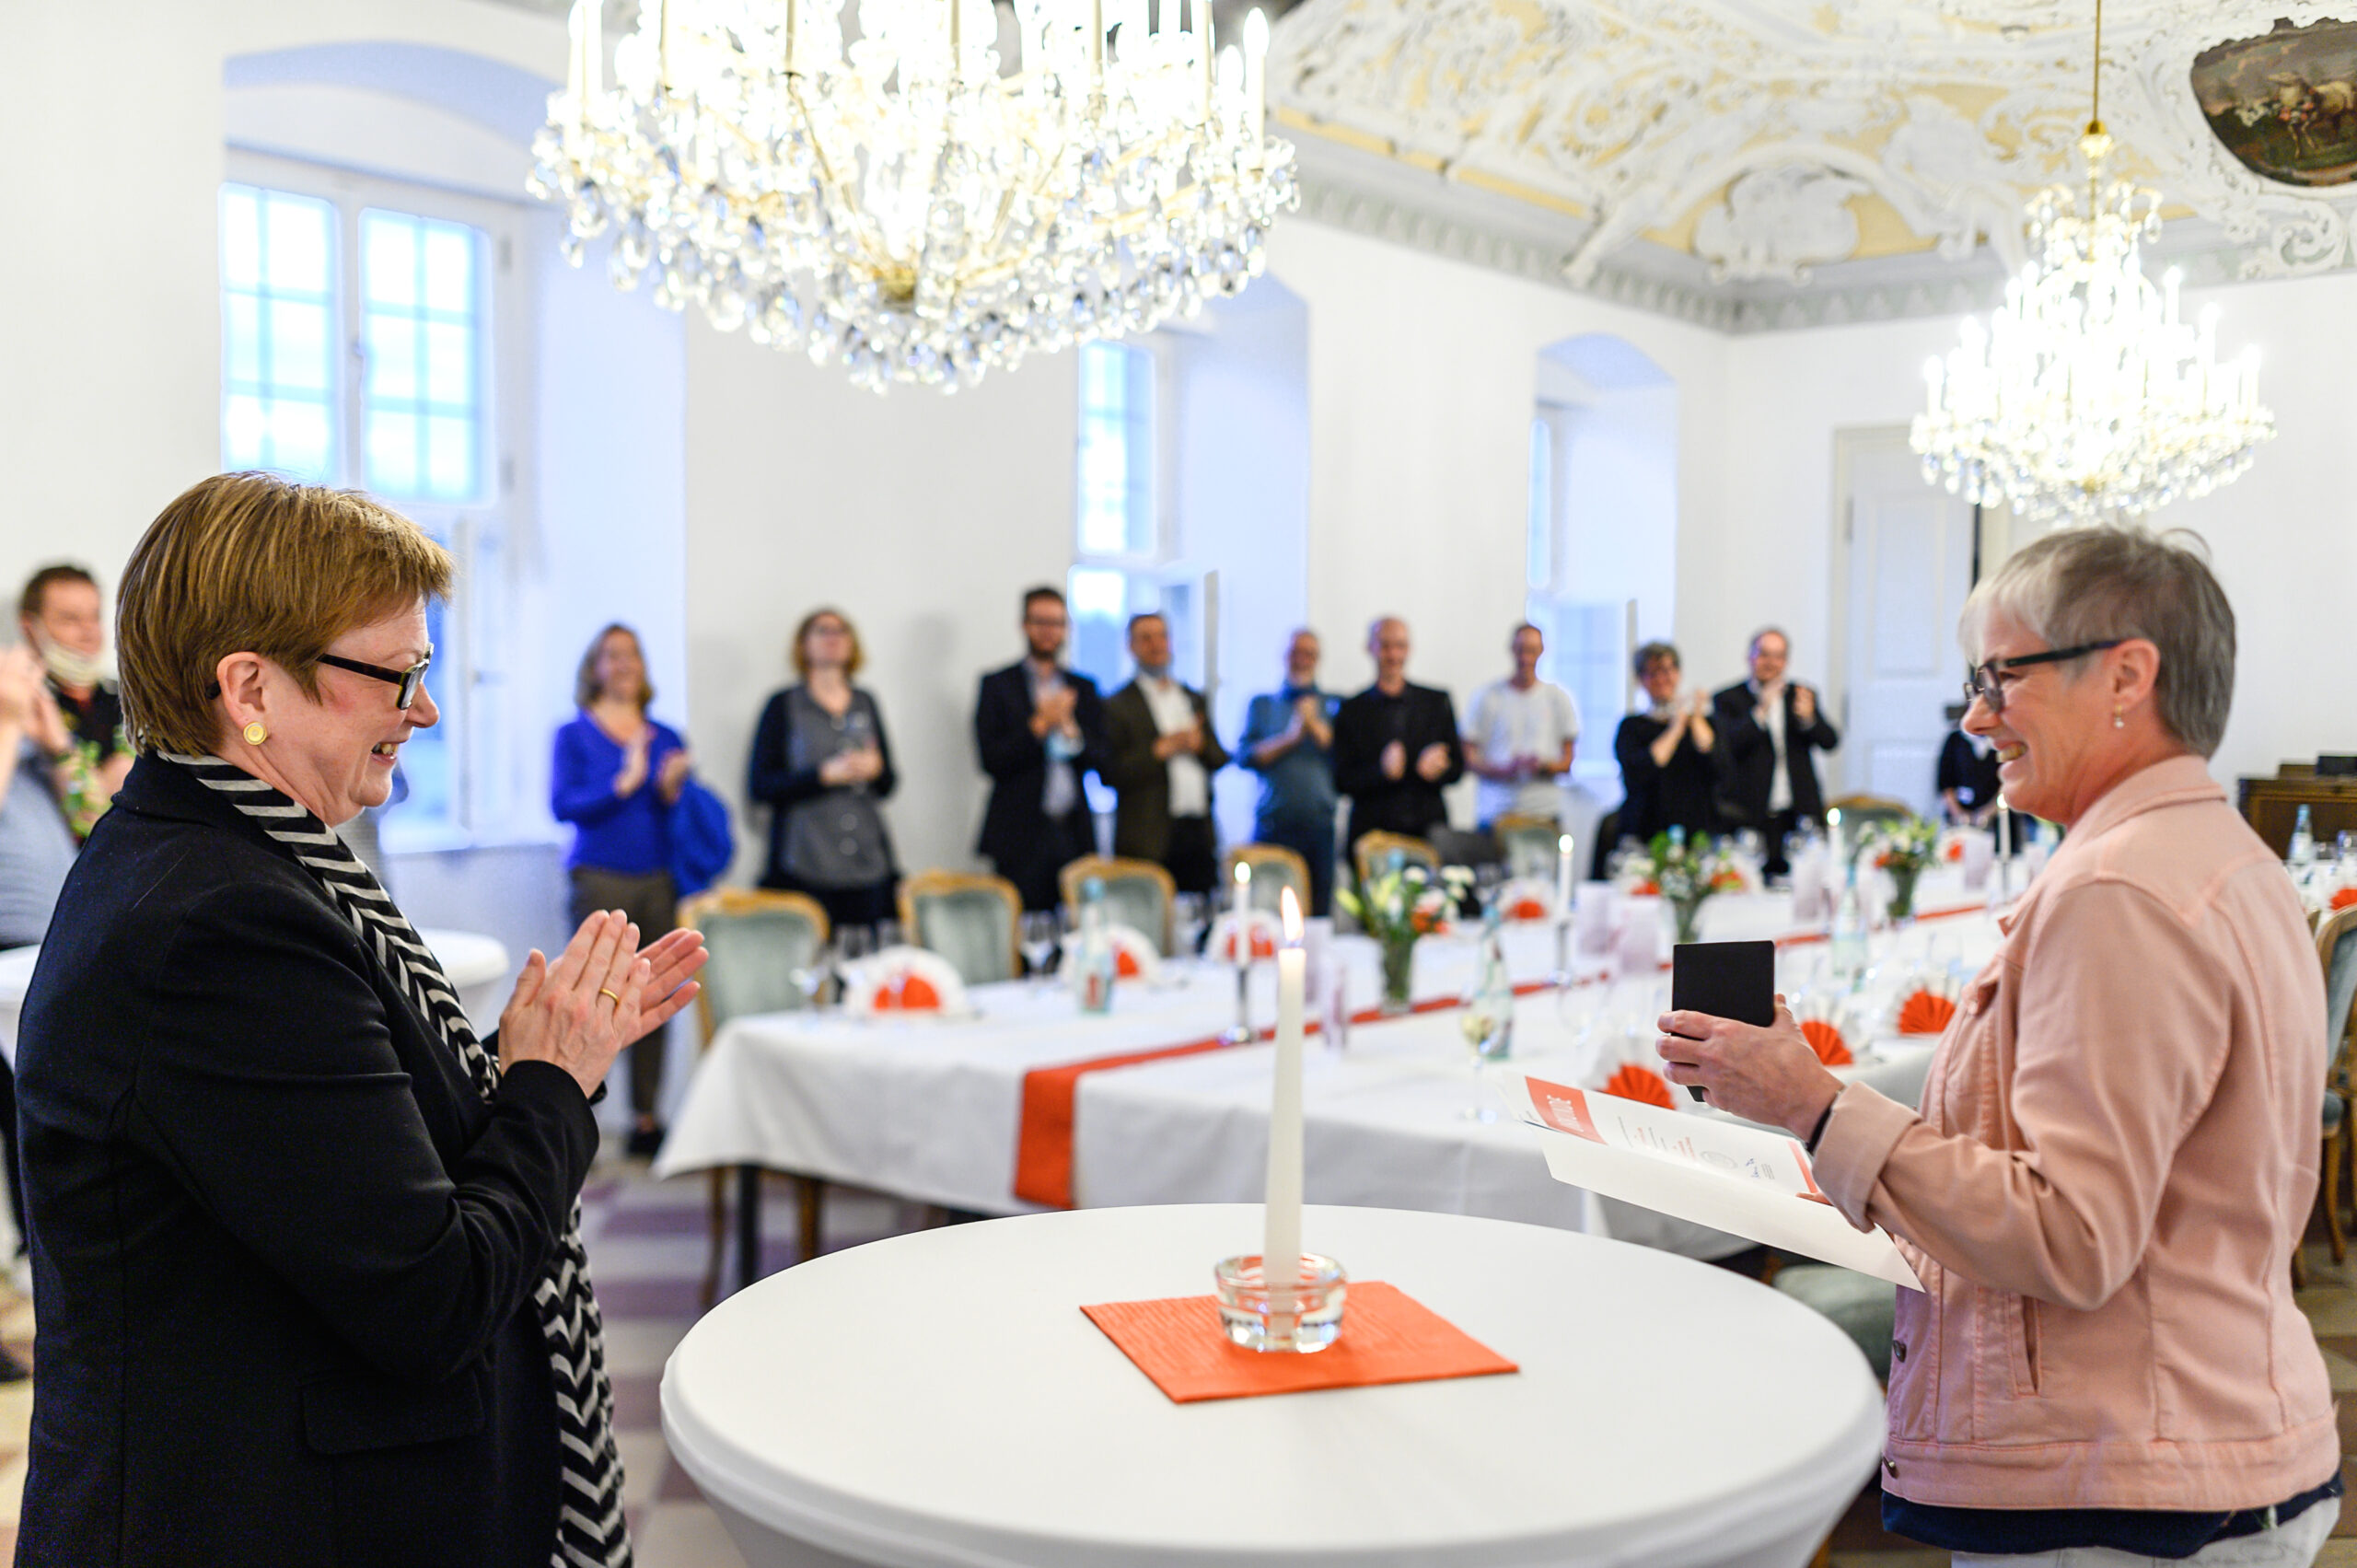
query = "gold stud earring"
x=255 y=734
x=2118 y=719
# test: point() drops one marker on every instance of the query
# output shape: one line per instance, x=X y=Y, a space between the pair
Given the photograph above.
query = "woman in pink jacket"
x=2116 y=1148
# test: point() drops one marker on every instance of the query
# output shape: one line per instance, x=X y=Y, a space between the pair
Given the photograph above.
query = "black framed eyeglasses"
x=409 y=679
x=1982 y=684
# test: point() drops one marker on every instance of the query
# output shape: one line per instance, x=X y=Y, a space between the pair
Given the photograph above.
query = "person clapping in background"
x=1669 y=754
x=822 y=763
x=1289 y=741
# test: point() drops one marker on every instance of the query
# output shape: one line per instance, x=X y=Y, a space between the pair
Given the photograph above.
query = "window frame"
x=472 y=681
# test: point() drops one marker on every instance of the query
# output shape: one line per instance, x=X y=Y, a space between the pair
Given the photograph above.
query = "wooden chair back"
x=1274 y=868
x=1529 y=844
x=1372 y=854
x=1138 y=894
x=974 y=921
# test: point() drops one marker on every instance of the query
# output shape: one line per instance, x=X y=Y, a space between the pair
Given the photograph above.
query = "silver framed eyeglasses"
x=409 y=679
x=1981 y=684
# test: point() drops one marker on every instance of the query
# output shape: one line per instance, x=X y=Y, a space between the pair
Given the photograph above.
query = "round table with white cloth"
x=939 y=1399
x=476 y=964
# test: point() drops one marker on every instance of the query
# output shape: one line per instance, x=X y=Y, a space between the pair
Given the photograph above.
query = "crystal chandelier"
x=2085 y=398
x=902 y=205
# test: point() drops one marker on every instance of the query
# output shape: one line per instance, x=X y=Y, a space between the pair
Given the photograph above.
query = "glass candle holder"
x=1310 y=1321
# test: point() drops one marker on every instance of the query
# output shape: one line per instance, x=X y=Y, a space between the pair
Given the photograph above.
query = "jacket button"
x=1889 y=1465
x=1899 y=1349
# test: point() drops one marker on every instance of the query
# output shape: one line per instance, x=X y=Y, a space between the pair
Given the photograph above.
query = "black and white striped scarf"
x=589 y=1532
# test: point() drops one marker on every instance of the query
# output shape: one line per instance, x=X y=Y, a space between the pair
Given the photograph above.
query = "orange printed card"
x=1388 y=1337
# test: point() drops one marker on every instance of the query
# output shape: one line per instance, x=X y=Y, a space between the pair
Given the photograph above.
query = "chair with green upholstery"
x=2336 y=950
x=974 y=922
x=1274 y=868
x=1860 y=1306
x=1529 y=845
x=1373 y=854
x=1863 y=810
x=764 y=948
x=1138 y=894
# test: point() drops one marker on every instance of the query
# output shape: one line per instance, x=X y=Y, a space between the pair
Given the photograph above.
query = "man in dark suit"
x=1396 y=744
x=1038 y=728
x=1161 y=755
x=1768 y=725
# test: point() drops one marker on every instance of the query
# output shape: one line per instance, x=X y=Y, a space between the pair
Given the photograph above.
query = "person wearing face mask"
x=1161 y=756
x=1669 y=754
x=61 y=617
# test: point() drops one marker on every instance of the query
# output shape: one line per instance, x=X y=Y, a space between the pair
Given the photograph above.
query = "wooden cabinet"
x=2271 y=806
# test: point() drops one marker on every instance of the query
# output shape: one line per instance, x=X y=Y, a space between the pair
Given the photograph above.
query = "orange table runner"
x=1388 y=1337
x=1043 y=1139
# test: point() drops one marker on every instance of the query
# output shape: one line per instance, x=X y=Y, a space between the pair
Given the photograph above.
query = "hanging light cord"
x=2095 y=114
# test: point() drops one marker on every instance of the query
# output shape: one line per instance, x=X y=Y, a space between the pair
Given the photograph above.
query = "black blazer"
x=1017 y=759
x=1141 y=816
x=1363 y=725
x=284 y=1250
x=1751 y=756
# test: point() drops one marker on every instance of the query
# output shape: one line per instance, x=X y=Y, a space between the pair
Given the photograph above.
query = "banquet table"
x=476 y=965
x=930 y=1109
x=939 y=1399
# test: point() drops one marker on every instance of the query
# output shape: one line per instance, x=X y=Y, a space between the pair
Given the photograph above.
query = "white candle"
x=1242 y=911
x=1563 y=877
x=1281 y=1242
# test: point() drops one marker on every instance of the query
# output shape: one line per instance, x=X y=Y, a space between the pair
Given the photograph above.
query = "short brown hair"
x=249 y=562
x=1648 y=653
x=586 y=689
x=34 y=599
x=802 y=634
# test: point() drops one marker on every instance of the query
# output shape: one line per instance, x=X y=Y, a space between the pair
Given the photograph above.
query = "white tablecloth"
x=477 y=966
x=938 y=1399
x=930 y=1109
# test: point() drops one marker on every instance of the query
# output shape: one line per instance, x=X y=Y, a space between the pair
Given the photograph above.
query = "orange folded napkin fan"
x=2343 y=898
x=908 y=992
x=1641 y=1084
x=1388 y=1337
x=1826 y=1040
x=1925 y=1013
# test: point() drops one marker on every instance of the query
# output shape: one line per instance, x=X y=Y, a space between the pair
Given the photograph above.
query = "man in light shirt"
x=1519 y=735
x=1770 y=725
x=1163 y=754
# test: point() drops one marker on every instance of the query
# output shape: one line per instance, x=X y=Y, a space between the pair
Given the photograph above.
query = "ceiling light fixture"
x=2084 y=398
x=907 y=204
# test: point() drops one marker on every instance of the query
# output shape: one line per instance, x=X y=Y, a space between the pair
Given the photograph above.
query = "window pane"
x=241 y=339
x=449 y=459
x=295 y=244
x=298 y=346
x=388 y=259
x=392 y=453
x=242 y=430
x=1540 y=565
x=299 y=442
x=392 y=358
x=449 y=269
x=241 y=236
x=449 y=366
x=1116 y=457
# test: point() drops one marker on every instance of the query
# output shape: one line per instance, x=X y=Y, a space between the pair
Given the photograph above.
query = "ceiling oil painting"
x=2286 y=104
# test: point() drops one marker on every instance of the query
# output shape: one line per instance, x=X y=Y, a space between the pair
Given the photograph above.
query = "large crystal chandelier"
x=908 y=205
x=2085 y=398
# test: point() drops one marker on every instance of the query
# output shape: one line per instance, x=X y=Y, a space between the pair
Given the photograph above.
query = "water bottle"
x=1097 y=962
x=2303 y=853
x=1848 y=948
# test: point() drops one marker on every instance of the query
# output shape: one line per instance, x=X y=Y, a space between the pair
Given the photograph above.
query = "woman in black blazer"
x=303 y=1246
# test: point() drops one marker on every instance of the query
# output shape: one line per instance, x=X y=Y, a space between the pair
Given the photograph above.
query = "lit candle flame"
x=1290 y=907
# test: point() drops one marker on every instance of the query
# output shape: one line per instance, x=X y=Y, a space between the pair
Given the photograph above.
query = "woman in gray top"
x=821 y=762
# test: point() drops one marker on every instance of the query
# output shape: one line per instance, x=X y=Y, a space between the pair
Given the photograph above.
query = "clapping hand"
x=1178 y=743
x=855 y=767
x=672 y=776
x=1805 y=705
x=633 y=771
x=599 y=994
x=1432 y=761
x=1395 y=759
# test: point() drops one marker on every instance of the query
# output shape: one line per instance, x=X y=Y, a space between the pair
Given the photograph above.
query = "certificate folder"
x=1743 y=1180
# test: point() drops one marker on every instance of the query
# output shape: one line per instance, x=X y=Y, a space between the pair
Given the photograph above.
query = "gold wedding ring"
x=603 y=991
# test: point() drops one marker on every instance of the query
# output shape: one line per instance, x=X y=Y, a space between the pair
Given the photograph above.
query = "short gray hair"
x=2091 y=584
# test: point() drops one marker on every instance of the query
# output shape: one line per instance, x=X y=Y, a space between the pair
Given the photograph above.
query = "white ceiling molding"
x=1731 y=130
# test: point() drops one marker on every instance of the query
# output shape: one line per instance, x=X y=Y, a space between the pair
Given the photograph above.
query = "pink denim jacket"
x=2116 y=1154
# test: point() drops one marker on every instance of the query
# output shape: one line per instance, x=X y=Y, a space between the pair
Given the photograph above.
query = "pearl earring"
x=255 y=734
x=2118 y=719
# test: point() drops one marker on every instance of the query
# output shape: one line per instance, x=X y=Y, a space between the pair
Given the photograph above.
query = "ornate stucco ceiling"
x=1759 y=162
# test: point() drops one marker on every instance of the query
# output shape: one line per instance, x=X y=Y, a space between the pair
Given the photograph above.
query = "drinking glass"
x=1187 y=917
x=888 y=932
x=1041 y=932
x=1487 y=1023
x=854 y=943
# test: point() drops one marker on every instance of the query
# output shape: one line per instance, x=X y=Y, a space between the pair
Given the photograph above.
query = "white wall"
x=2281 y=543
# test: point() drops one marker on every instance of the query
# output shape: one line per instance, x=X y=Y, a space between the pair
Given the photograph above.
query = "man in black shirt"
x=1396 y=744
x=61 y=617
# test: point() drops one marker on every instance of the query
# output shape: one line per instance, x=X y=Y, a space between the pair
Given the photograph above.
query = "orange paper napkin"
x=1641 y=1084
x=1925 y=1013
x=1388 y=1337
x=1827 y=1041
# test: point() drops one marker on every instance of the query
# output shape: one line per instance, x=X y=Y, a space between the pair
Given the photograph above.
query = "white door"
x=1903 y=564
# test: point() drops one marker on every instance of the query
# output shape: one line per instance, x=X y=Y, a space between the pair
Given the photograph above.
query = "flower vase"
x=1399 y=974
x=1687 y=919
x=1902 y=893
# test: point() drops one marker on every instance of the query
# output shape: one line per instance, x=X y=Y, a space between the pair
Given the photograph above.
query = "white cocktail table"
x=938 y=1399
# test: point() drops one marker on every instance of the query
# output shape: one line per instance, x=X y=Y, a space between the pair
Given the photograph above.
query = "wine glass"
x=854 y=943
x=888 y=934
x=1486 y=1024
x=1187 y=917
x=1042 y=933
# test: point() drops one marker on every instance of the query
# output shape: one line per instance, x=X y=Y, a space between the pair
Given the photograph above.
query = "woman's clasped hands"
x=599 y=994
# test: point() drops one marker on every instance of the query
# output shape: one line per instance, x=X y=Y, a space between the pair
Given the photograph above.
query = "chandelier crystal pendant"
x=2085 y=399
x=901 y=205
